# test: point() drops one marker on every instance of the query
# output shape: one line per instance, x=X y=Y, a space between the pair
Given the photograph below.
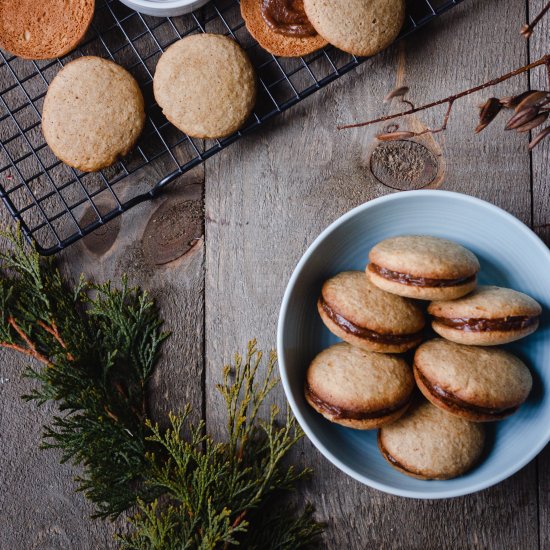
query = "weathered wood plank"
x=269 y=196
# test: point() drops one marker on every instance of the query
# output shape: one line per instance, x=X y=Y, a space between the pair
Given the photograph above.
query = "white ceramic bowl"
x=164 y=8
x=510 y=255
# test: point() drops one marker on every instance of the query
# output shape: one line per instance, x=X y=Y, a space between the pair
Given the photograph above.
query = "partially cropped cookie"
x=475 y=383
x=93 y=113
x=358 y=389
x=423 y=267
x=359 y=27
x=360 y=313
x=205 y=85
x=489 y=316
x=281 y=27
x=429 y=443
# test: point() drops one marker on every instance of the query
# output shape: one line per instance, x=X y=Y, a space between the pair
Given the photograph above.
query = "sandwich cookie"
x=423 y=267
x=205 y=85
x=281 y=27
x=487 y=317
x=44 y=29
x=429 y=443
x=475 y=383
x=360 y=313
x=93 y=113
x=359 y=27
x=358 y=389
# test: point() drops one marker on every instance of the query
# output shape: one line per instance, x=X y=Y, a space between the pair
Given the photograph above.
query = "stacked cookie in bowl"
x=464 y=380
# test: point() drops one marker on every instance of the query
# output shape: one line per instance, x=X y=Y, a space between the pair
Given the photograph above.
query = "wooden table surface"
x=251 y=211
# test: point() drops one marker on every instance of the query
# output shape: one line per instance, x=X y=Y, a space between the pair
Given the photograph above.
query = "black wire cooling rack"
x=57 y=205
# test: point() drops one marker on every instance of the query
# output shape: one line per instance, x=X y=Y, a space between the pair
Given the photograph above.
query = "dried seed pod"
x=535 y=97
x=525 y=115
x=397 y=92
x=537 y=121
x=510 y=102
x=489 y=110
x=393 y=136
x=539 y=137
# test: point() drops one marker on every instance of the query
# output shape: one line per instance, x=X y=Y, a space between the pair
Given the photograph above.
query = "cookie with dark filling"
x=361 y=314
x=472 y=382
x=358 y=389
x=423 y=267
x=489 y=316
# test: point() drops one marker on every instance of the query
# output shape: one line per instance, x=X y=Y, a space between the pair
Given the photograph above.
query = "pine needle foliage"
x=98 y=346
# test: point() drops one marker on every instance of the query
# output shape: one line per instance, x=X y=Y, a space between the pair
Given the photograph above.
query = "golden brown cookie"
x=42 y=29
x=359 y=27
x=423 y=267
x=205 y=85
x=475 y=383
x=281 y=27
x=358 y=389
x=93 y=113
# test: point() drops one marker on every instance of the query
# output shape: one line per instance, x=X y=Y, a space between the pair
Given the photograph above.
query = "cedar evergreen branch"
x=98 y=346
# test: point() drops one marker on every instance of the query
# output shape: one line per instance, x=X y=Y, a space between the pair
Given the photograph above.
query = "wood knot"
x=102 y=239
x=174 y=228
x=404 y=165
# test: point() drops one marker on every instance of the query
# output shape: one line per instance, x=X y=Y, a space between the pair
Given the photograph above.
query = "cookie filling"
x=406 y=279
x=365 y=333
x=339 y=413
x=518 y=322
x=287 y=17
x=457 y=404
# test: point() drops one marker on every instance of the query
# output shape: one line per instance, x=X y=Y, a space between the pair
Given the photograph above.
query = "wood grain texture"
x=269 y=196
x=539 y=45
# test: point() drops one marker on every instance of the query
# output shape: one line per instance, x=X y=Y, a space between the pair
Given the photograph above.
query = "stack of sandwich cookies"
x=489 y=316
x=358 y=389
x=361 y=314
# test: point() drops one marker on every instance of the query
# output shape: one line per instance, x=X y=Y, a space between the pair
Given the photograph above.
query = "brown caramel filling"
x=406 y=279
x=365 y=333
x=518 y=322
x=287 y=17
x=340 y=413
x=458 y=404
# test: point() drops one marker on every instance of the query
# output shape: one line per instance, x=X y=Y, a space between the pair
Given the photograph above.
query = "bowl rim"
x=451 y=493
x=165 y=4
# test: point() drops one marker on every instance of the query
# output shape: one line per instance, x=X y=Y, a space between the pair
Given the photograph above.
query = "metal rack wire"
x=57 y=205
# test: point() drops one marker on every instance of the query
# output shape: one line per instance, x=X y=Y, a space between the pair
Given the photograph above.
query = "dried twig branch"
x=527 y=29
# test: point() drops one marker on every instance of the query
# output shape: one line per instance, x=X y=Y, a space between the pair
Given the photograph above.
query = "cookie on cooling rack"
x=205 y=85
x=93 y=113
x=359 y=27
x=45 y=29
x=281 y=27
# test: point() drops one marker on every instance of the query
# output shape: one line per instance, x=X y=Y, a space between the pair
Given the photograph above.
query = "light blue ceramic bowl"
x=511 y=255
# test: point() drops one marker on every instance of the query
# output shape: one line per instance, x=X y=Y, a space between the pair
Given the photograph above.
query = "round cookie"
x=44 y=29
x=278 y=41
x=205 y=85
x=478 y=384
x=429 y=443
x=360 y=313
x=359 y=27
x=423 y=267
x=490 y=316
x=93 y=113
x=358 y=389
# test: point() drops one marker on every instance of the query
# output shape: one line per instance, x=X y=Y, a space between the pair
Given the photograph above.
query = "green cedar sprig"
x=98 y=346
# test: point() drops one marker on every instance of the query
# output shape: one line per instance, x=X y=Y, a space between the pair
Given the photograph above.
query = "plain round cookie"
x=449 y=269
x=93 y=113
x=275 y=43
x=359 y=27
x=43 y=29
x=475 y=383
x=505 y=315
x=205 y=85
x=429 y=443
x=361 y=314
x=358 y=389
